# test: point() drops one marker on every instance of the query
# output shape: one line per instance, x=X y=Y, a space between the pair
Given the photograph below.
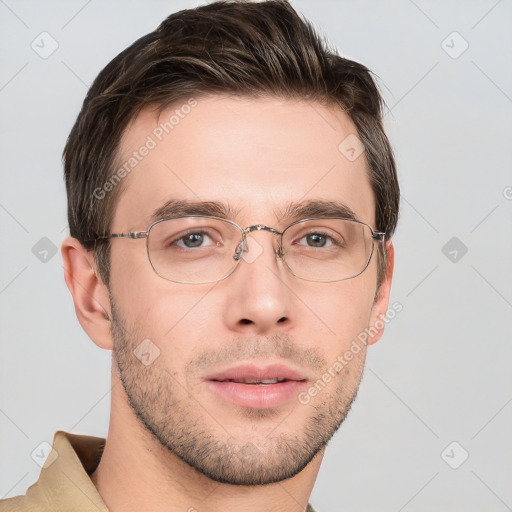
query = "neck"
x=137 y=473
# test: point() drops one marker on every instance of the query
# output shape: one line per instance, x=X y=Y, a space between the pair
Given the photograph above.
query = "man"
x=231 y=198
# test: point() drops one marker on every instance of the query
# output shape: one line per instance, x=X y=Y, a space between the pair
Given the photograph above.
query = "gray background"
x=442 y=371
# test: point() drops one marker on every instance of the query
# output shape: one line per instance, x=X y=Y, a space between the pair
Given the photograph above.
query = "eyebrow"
x=177 y=207
x=315 y=208
x=293 y=211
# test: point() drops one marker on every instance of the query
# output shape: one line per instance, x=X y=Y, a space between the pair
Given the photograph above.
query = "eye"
x=322 y=240
x=316 y=240
x=194 y=239
x=316 y=237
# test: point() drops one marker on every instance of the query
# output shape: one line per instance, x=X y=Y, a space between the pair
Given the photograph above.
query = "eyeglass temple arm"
x=136 y=234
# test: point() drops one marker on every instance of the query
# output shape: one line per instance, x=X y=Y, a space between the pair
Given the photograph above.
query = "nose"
x=258 y=297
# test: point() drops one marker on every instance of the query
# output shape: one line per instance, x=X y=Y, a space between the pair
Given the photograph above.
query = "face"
x=208 y=347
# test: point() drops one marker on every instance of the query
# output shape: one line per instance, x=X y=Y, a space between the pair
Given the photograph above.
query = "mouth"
x=257 y=387
x=253 y=381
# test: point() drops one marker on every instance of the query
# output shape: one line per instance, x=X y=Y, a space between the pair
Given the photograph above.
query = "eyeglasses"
x=196 y=249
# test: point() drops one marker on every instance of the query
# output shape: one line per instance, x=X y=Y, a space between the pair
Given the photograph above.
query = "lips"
x=257 y=387
x=254 y=374
x=256 y=381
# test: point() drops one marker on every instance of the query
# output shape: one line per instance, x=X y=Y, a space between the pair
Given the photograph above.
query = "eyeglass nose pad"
x=240 y=248
x=280 y=251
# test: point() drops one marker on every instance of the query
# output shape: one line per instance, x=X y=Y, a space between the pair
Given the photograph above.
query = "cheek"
x=345 y=309
x=144 y=295
x=176 y=320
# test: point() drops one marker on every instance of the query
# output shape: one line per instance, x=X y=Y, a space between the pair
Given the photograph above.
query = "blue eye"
x=193 y=239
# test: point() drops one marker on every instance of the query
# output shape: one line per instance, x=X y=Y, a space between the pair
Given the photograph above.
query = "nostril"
x=281 y=320
x=246 y=321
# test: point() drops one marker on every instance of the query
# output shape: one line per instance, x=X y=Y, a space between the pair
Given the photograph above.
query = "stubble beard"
x=185 y=427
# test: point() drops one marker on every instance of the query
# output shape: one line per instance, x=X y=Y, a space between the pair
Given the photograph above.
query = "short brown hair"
x=230 y=46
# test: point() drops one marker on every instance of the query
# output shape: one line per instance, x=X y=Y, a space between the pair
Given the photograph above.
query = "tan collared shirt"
x=64 y=483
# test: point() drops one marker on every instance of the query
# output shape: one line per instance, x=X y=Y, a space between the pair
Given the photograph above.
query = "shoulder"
x=18 y=503
x=64 y=480
x=35 y=499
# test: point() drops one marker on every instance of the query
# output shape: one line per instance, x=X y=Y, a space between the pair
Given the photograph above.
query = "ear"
x=381 y=303
x=90 y=295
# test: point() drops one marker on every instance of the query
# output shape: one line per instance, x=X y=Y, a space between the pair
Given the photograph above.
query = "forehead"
x=258 y=157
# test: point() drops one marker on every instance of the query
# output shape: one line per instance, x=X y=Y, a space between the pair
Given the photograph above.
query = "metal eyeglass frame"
x=377 y=236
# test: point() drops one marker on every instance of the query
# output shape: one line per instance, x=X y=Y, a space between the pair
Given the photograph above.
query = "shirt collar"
x=64 y=478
